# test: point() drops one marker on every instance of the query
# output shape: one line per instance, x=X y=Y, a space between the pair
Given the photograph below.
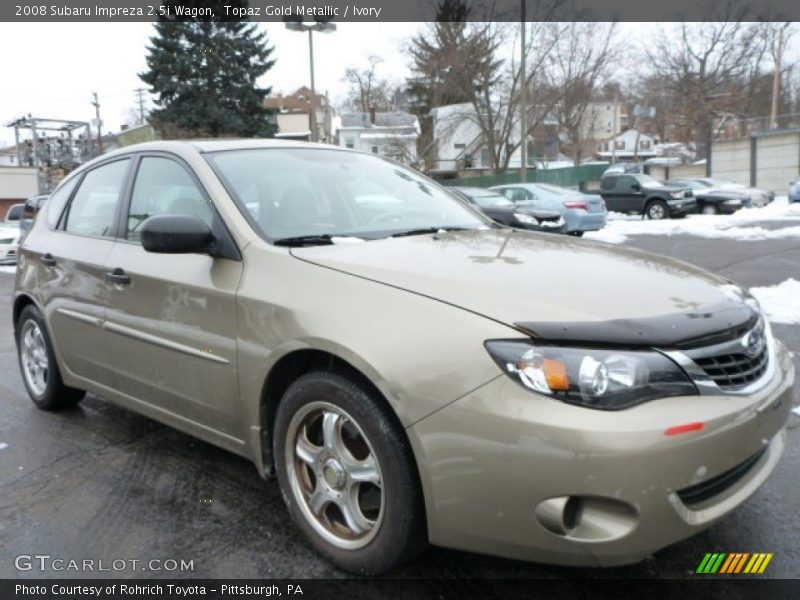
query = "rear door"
x=69 y=253
x=173 y=316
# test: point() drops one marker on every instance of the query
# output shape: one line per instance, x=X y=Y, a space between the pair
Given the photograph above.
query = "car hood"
x=523 y=279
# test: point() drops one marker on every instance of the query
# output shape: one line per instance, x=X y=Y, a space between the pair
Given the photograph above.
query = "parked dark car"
x=30 y=210
x=712 y=201
x=641 y=194
x=757 y=197
x=501 y=209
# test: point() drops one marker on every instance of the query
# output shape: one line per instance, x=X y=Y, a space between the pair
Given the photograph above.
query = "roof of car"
x=214 y=145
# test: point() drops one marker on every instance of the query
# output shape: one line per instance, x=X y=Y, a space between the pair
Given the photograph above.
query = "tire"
x=577 y=233
x=37 y=363
x=709 y=209
x=657 y=210
x=361 y=437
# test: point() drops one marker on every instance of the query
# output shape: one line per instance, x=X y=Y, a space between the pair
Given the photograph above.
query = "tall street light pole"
x=523 y=101
x=321 y=27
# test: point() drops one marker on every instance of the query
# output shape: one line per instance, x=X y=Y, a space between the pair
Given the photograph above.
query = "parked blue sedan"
x=581 y=212
x=794 y=192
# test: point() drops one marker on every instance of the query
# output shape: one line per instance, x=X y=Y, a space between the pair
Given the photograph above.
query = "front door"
x=172 y=317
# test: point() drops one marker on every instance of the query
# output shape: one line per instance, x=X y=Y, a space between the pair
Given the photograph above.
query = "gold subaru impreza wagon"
x=410 y=371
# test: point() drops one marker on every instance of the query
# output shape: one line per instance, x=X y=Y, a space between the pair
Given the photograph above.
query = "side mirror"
x=176 y=234
x=636 y=187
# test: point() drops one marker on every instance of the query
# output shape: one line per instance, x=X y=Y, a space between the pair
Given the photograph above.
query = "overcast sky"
x=51 y=69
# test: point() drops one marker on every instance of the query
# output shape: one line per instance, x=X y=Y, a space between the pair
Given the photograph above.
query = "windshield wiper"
x=426 y=230
x=305 y=240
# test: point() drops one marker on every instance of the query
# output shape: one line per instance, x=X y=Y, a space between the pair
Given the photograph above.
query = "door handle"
x=118 y=276
x=48 y=260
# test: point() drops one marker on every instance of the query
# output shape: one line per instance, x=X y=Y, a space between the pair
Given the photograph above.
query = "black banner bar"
x=381 y=11
x=356 y=589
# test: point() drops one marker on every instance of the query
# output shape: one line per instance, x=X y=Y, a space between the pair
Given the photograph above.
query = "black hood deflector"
x=707 y=325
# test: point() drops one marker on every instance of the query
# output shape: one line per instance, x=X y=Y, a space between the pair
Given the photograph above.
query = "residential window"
x=350 y=143
x=374 y=149
x=644 y=144
x=459 y=146
x=619 y=145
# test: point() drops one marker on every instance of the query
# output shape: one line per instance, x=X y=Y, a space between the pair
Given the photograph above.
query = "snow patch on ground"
x=738 y=226
x=12 y=269
x=781 y=303
x=3 y=445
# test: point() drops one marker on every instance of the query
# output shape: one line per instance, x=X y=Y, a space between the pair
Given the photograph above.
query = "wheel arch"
x=288 y=369
x=20 y=302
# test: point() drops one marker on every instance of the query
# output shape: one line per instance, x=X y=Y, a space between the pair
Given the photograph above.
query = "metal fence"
x=566 y=176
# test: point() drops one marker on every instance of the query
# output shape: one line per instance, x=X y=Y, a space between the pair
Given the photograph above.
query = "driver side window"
x=164 y=187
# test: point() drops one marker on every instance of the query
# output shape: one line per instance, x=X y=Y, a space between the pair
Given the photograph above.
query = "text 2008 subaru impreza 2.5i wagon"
x=410 y=371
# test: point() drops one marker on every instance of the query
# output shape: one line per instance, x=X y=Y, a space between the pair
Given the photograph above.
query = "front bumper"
x=494 y=463
x=684 y=206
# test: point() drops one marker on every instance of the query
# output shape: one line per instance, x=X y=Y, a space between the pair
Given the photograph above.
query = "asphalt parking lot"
x=100 y=482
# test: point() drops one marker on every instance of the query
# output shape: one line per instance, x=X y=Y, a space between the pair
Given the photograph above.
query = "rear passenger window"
x=94 y=205
x=56 y=203
x=164 y=187
x=608 y=183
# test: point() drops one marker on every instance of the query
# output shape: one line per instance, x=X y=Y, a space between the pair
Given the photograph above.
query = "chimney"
x=372 y=115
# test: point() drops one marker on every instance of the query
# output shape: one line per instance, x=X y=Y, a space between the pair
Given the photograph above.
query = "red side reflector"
x=678 y=429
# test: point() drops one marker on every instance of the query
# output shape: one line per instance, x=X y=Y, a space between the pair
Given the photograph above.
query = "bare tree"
x=777 y=36
x=581 y=57
x=366 y=89
x=705 y=63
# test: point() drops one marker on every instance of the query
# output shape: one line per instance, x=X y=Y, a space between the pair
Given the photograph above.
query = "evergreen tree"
x=204 y=74
x=448 y=61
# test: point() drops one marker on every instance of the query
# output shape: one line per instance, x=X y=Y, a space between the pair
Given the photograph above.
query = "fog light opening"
x=571 y=515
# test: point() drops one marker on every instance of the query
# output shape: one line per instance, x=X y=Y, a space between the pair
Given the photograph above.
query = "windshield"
x=294 y=192
x=692 y=185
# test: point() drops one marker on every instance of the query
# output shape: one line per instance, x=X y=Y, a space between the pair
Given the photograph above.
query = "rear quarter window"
x=54 y=206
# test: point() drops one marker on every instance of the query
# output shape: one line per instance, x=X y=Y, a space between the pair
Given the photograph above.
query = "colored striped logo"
x=734 y=563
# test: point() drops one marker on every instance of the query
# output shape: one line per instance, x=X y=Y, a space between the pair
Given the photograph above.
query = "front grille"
x=716 y=485
x=688 y=194
x=734 y=371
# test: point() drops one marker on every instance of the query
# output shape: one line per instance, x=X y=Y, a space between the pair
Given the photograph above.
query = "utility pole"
x=140 y=97
x=96 y=104
x=523 y=101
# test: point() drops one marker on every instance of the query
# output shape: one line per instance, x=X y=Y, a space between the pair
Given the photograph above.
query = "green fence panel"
x=570 y=177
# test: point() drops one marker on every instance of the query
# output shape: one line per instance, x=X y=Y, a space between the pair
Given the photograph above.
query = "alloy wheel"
x=335 y=475
x=35 y=364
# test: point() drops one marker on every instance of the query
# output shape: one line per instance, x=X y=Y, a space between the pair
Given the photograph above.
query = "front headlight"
x=676 y=195
x=733 y=201
x=605 y=379
x=527 y=219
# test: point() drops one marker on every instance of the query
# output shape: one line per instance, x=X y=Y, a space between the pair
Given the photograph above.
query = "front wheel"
x=37 y=362
x=657 y=210
x=709 y=209
x=347 y=474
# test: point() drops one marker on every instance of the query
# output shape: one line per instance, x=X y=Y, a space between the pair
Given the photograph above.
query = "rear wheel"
x=656 y=210
x=709 y=209
x=347 y=474
x=577 y=233
x=37 y=362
